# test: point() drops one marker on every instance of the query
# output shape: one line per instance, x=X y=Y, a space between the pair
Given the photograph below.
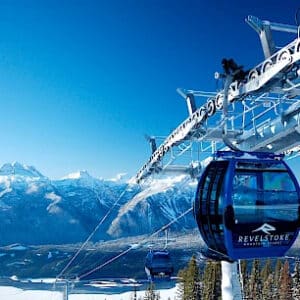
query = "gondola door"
x=208 y=212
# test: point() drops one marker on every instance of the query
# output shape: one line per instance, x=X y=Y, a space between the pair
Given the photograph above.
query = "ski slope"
x=12 y=293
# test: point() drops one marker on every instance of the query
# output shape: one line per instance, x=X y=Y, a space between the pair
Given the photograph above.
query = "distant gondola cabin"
x=158 y=264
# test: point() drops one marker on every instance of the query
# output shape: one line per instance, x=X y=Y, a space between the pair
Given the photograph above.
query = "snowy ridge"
x=155 y=187
x=81 y=178
x=30 y=204
x=160 y=202
x=18 y=169
x=78 y=175
x=16 y=176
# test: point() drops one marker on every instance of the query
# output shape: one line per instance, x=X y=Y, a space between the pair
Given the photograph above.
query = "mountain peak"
x=17 y=168
x=81 y=178
x=78 y=175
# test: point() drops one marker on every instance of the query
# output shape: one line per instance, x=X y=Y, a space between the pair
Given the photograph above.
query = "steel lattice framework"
x=261 y=112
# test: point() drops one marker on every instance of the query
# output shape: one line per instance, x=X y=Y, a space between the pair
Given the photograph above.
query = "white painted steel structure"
x=259 y=113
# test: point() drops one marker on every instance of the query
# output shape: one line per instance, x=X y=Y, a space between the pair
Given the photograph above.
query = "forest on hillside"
x=260 y=280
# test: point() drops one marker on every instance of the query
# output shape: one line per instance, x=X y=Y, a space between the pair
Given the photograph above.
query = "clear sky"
x=81 y=82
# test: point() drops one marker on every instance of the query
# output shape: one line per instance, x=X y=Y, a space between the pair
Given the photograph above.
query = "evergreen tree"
x=268 y=287
x=208 y=280
x=266 y=270
x=189 y=282
x=296 y=281
x=255 y=281
x=150 y=293
x=244 y=279
x=181 y=283
x=285 y=290
x=212 y=281
x=277 y=274
x=217 y=293
x=134 y=296
x=194 y=279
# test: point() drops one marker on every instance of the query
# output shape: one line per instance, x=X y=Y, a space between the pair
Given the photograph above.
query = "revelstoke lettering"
x=261 y=239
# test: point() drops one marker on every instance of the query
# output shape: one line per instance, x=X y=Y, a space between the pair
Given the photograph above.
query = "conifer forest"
x=260 y=280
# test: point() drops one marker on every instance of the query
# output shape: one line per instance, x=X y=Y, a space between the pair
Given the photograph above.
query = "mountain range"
x=36 y=210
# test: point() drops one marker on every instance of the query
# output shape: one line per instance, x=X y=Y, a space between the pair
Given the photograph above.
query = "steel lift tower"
x=258 y=111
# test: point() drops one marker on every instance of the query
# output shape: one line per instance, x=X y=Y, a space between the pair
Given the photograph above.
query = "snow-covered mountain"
x=17 y=169
x=37 y=210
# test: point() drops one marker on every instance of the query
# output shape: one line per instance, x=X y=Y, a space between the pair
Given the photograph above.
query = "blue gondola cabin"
x=158 y=265
x=247 y=206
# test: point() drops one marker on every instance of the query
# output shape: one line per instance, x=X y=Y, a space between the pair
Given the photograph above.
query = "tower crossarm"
x=278 y=135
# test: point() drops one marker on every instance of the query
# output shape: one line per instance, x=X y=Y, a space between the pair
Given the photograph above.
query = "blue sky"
x=81 y=82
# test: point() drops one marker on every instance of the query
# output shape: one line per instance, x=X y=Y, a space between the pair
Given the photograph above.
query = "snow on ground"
x=12 y=293
x=42 y=280
x=164 y=295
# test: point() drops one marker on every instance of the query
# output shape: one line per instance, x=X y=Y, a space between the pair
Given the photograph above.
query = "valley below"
x=49 y=260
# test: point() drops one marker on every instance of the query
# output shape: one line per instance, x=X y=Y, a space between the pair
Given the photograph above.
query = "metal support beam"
x=191 y=104
x=264 y=31
x=231 y=289
x=279 y=72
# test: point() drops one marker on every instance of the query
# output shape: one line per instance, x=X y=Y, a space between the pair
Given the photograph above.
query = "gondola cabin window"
x=245 y=197
x=264 y=194
x=280 y=197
